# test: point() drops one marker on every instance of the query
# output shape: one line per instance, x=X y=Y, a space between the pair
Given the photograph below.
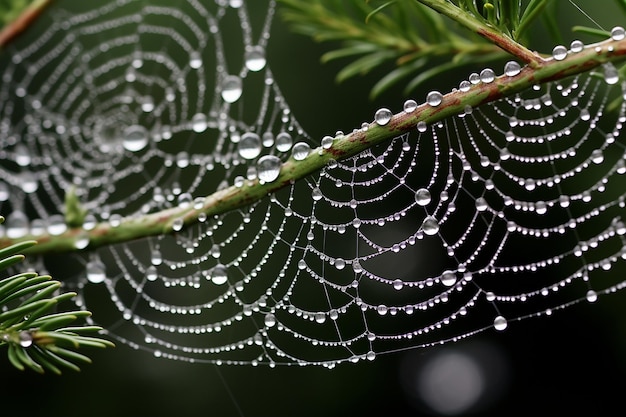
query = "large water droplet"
x=382 y=116
x=26 y=339
x=151 y=273
x=4 y=191
x=17 y=225
x=270 y=320
x=56 y=225
x=410 y=106
x=512 y=68
x=283 y=142
x=434 y=98
x=422 y=197
x=481 y=204
x=231 y=88
x=268 y=168
x=28 y=182
x=249 y=146
x=96 y=272
x=500 y=323
x=199 y=122
x=156 y=258
x=611 y=75
x=300 y=151
x=195 y=60
x=487 y=75
x=618 y=33
x=559 y=52
x=430 y=226
x=135 y=138
x=577 y=46
x=219 y=274
x=591 y=296
x=448 y=278
x=255 y=58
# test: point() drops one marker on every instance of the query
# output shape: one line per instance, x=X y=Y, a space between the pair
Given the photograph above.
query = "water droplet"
x=151 y=273
x=270 y=320
x=135 y=138
x=487 y=75
x=268 y=168
x=96 y=272
x=17 y=225
x=316 y=194
x=56 y=225
x=267 y=139
x=434 y=98
x=320 y=318
x=327 y=142
x=448 y=278
x=22 y=155
x=382 y=309
x=195 y=60
x=559 y=52
x=512 y=68
x=199 y=122
x=465 y=85
x=422 y=197
x=591 y=296
x=597 y=156
x=611 y=75
x=300 y=151
x=28 y=182
x=422 y=127
x=283 y=142
x=182 y=159
x=156 y=258
x=178 y=224
x=474 y=78
x=26 y=339
x=577 y=46
x=219 y=274
x=481 y=204
x=4 y=191
x=340 y=263
x=410 y=106
x=249 y=146
x=398 y=284
x=382 y=116
x=231 y=88
x=618 y=33
x=499 y=323
x=255 y=58
x=430 y=226
x=82 y=241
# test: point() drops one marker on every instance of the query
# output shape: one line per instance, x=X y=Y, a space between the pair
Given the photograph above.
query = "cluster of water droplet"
x=341 y=263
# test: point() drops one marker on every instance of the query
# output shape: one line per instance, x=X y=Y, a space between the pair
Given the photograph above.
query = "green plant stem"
x=486 y=31
x=231 y=198
x=22 y=23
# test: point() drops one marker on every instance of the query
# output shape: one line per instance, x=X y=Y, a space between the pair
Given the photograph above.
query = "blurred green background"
x=572 y=363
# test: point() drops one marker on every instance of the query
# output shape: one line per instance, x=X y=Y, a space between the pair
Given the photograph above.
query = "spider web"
x=507 y=211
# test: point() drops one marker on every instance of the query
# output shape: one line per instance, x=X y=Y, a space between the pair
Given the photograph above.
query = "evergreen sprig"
x=416 y=39
x=38 y=338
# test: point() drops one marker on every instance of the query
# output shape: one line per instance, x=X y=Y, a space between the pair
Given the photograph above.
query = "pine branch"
x=541 y=71
x=22 y=23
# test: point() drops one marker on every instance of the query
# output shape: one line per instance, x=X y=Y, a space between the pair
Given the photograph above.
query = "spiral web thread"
x=508 y=211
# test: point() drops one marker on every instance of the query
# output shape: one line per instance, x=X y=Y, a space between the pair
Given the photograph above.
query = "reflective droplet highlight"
x=268 y=168
x=135 y=138
x=231 y=88
x=382 y=116
x=249 y=146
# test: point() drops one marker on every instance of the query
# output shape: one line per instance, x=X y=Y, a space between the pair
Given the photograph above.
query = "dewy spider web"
x=510 y=210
